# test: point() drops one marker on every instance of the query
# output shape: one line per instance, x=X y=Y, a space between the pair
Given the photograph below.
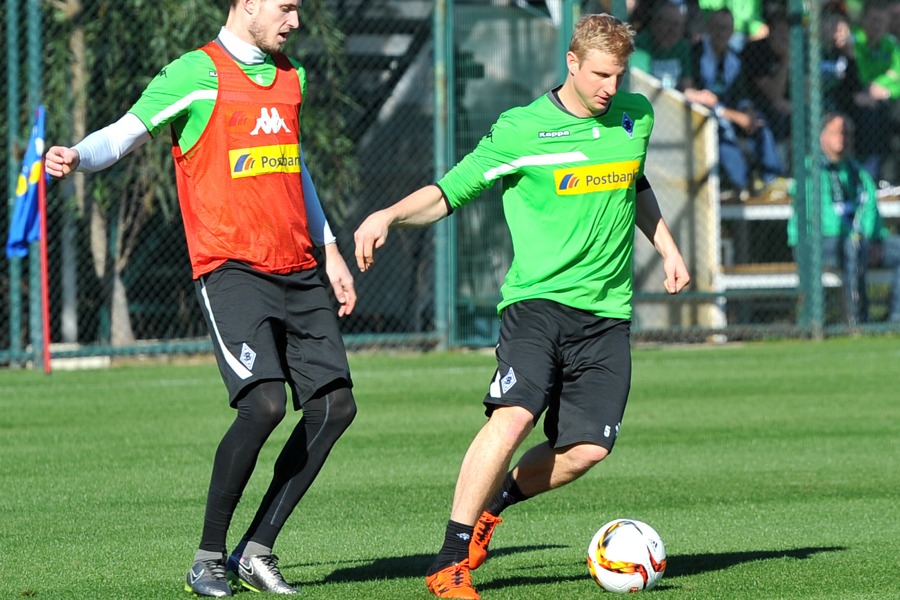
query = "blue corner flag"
x=25 y=224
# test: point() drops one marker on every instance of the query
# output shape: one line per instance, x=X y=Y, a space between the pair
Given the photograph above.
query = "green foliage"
x=770 y=471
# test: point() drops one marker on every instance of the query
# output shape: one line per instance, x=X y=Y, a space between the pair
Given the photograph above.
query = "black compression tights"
x=260 y=410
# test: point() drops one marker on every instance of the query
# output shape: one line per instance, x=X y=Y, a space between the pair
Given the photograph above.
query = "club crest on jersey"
x=628 y=125
x=269 y=122
x=596 y=178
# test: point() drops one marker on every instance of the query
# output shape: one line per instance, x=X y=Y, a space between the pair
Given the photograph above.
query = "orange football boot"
x=454 y=581
x=481 y=537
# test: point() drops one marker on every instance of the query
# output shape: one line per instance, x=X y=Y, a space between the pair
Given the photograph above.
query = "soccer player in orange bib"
x=251 y=216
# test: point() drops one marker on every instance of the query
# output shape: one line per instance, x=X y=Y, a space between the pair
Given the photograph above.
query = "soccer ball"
x=626 y=555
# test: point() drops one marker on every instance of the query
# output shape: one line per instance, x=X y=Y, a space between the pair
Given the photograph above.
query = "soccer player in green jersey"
x=251 y=216
x=572 y=168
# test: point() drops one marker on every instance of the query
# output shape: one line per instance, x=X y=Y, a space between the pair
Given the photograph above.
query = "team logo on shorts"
x=508 y=381
x=502 y=383
x=248 y=356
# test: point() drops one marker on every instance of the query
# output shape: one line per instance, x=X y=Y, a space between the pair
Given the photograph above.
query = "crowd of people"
x=735 y=59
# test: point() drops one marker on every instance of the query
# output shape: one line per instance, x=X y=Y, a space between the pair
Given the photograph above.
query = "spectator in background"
x=878 y=58
x=765 y=80
x=895 y=20
x=853 y=234
x=746 y=144
x=840 y=77
x=749 y=24
x=891 y=169
x=662 y=48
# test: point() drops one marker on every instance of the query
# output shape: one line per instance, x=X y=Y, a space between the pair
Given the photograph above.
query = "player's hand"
x=677 y=276
x=370 y=236
x=340 y=278
x=60 y=161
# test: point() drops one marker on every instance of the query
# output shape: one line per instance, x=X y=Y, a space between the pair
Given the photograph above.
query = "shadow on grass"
x=694 y=564
x=401 y=567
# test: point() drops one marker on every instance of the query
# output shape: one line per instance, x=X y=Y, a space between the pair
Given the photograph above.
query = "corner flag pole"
x=45 y=280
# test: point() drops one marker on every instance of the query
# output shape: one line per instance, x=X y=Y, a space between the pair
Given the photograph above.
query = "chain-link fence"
x=119 y=277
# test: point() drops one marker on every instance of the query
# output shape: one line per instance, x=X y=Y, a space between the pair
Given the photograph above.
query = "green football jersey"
x=568 y=198
x=183 y=94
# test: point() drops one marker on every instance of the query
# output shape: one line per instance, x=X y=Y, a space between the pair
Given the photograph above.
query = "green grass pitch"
x=771 y=471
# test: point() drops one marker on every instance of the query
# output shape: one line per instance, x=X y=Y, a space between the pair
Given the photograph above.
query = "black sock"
x=508 y=494
x=455 y=548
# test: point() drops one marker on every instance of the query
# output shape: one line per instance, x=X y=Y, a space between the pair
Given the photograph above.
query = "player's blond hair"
x=605 y=33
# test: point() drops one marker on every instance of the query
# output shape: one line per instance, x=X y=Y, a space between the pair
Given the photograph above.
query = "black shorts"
x=571 y=364
x=265 y=326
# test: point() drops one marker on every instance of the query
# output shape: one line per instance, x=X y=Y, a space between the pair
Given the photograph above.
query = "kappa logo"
x=554 y=134
x=248 y=356
x=269 y=122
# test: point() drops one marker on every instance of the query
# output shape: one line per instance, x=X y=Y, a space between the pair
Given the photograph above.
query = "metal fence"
x=398 y=91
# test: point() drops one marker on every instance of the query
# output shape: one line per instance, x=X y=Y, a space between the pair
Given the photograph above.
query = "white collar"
x=245 y=52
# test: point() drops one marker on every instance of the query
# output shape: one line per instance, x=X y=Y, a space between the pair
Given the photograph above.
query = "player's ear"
x=250 y=7
x=571 y=62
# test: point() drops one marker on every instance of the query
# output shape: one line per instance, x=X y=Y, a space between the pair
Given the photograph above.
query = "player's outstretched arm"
x=422 y=207
x=651 y=223
x=98 y=150
x=60 y=161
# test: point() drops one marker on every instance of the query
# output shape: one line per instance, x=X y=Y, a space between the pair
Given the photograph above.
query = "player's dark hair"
x=605 y=33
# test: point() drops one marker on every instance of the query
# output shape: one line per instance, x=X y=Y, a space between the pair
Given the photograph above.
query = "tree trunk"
x=122 y=334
